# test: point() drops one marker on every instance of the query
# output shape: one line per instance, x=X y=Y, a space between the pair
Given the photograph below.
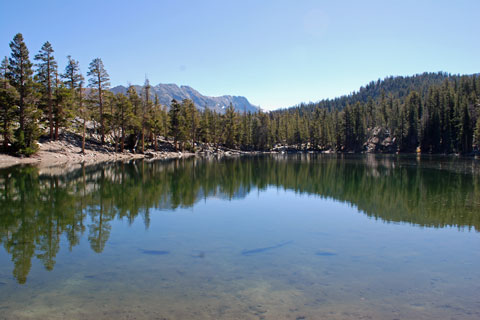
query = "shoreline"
x=67 y=151
x=44 y=159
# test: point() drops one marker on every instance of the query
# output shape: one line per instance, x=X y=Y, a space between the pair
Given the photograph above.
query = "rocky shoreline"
x=67 y=152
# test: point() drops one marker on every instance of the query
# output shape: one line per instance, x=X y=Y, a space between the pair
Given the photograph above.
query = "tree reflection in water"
x=38 y=206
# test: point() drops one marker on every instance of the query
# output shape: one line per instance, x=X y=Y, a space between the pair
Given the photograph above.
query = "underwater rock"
x=259 y=250
x=199 y=255
x=325 y=253
x=155 y=252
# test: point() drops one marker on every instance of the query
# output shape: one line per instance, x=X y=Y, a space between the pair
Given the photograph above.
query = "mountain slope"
x=397 y=87
x=167 y=92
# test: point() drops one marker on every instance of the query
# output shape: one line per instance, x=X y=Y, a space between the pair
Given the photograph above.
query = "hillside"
x=167 y=92
x=396 y=87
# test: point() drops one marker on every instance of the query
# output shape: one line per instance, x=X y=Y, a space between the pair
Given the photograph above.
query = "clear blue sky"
x=276 y=53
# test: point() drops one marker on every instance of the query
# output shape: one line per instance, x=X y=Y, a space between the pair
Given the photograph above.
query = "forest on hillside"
x=428 y=113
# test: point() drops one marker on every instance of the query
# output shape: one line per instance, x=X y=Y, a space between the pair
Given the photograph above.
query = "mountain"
x=396 y=87
x=167 y=92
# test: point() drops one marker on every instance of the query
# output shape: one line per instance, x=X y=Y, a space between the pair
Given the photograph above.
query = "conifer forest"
x=427 y=113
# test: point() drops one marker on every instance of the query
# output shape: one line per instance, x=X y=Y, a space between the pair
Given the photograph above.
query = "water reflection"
x=39 y=207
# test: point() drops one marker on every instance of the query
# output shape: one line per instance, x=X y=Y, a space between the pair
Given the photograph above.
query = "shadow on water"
x=38 y=207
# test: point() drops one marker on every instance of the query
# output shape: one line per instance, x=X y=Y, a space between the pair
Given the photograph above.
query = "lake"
x=270 y=237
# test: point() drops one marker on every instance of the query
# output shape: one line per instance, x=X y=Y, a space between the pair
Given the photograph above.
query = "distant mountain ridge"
x=167 y=92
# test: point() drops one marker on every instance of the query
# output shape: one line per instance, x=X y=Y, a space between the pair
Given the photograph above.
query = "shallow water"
x=285 y=237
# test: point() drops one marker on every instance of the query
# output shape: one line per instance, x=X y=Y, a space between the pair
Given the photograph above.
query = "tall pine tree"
x=21 y=78
x=46 y=71
x=99 y=81
x=8 y=104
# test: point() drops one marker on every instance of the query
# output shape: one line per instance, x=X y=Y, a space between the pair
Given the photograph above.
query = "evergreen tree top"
x=46 y=66
x=98 y=75
x=20 y=65
x=73 y=77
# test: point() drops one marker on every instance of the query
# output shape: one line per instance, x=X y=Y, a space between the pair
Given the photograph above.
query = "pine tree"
x=449 y=131
x=8 y=99
x=215 y=128
x=63 y=101
x=246 y=129
x=99 y=80
x=46 y=70
x=191 y=118
x=72 y=76
x=413 y=105
x=205 y=125
x=465 y=132
x=122 y=116
x=230 y=126
x=477 y=135
x=177 y=123
x=147 y=105
x=83 y=112
x=156 y=121
x=73 y=80
x=21 y=78
x=360 y=128
x=349 y=132
x=261 y=125
x=135 y=123
x=166 y=121
x=21 y=73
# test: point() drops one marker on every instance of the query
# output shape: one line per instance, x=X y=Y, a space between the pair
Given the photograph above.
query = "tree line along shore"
x=429 y=113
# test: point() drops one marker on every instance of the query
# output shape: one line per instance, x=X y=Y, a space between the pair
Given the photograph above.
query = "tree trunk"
x=84 y=114
x=21 y=103
x=56 y=129
x=122 y=145
x=5 y=123
x=83 y=135
x=5 y=131
x=50 y=109
x=193 y=137
x=57 y=117
x=143 y=139
x=102 y=129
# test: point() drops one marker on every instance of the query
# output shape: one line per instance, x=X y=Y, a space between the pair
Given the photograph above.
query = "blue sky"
x=276 y=53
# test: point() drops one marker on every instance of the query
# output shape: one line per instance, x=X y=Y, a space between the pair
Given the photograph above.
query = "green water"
x=273 y=237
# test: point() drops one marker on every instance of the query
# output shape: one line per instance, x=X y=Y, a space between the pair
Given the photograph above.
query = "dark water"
x=297 y=237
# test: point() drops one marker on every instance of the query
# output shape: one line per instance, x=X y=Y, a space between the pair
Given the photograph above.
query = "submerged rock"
x=325 y=253
x=259 y=250
x=155 y=252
